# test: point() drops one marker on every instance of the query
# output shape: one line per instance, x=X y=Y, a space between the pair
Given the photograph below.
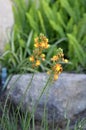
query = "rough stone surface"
x=6 y=21
x=66 y=96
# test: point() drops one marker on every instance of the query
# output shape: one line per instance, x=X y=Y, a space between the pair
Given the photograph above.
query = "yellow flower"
x=60 y=55
x=36 y=45
x=42 y=44
x=48 y=72
x=36 y=40
x=65 y=60
x=37 y=63
x=31 y=58
x=42 y=56
x=55 y=76
x=57 y=68
x=47 y=45
x=46 y=39
x=54 y=58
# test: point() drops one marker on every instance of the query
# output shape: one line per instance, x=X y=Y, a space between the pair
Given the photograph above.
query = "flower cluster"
x=56 y=67
x=40 y=44
x=38 y=56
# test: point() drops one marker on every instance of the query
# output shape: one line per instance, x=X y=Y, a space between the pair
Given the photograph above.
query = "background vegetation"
x=58 y=20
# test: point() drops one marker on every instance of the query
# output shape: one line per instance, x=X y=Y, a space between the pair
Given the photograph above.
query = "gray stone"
x=6 y=22
x=66 y=96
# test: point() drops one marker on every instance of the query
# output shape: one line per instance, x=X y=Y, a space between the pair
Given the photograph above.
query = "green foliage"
x=56 y=19
x=14 y=57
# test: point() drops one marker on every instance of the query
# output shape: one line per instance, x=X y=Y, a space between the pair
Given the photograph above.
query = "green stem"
x=34 y=108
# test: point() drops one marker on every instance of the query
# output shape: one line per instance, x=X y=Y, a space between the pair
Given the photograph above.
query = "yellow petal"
x=31 y=58
x=36 y=45
x=65 y=60
x=37 y=63
x=55 y=77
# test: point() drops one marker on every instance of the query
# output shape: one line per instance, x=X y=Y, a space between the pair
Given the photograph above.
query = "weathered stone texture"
x=6 y=21
x=66 y=95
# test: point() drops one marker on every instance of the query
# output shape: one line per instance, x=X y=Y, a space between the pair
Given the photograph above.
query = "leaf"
x=6 y=83
x=28 y=43
x=12 y=42
x=57 y=27
x=31 y=21
x=47 y=10
x=65 y=4
x=41 y=22
x=77 y=49
x=29 y=39
x=82 y=27
x=53 y=48
x=60 y=19
x=70 y=25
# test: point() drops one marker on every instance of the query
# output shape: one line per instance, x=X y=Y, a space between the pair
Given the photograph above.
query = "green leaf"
x=53 y=48
x=77 y=49
x=12 y=42
x=60 y=19
x=28 y=43
x=41 y=22
x=32 y=22
x=65 y=4
x=57 y=27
